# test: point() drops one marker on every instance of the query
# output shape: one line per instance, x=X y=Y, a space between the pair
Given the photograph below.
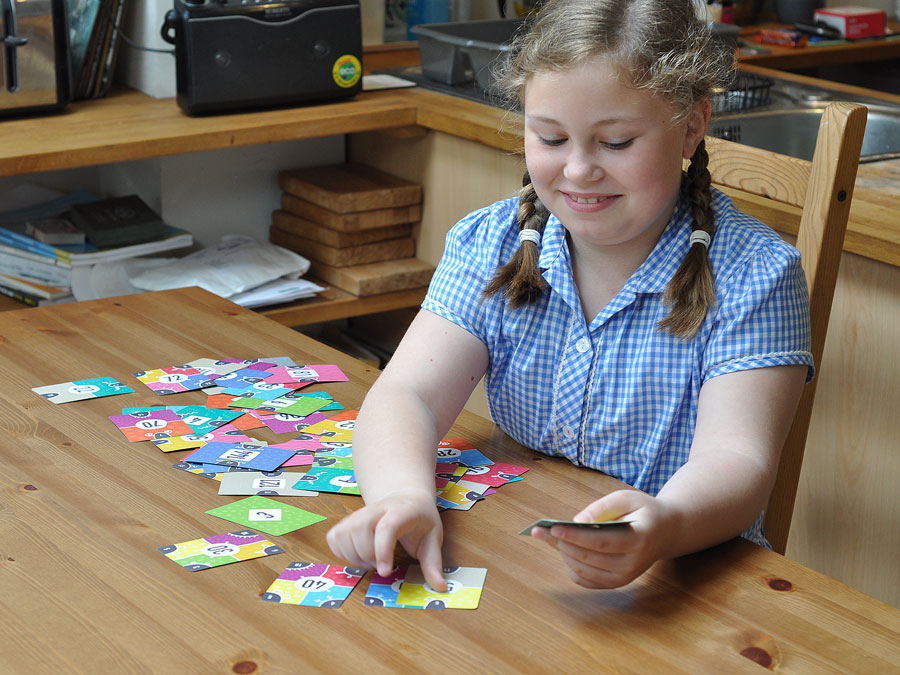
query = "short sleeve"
x=762 y=318
x=473 y=249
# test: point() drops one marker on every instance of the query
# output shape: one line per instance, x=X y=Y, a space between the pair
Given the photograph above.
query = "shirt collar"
x=660 y=266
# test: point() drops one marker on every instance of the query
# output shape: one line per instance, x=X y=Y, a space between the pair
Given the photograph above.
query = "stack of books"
x=354 y=223
x=36 y=266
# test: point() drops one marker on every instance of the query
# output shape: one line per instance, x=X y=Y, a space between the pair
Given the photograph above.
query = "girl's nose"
x=582 y=166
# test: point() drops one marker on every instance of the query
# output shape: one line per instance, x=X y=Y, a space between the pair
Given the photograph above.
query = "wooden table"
x=82 y=512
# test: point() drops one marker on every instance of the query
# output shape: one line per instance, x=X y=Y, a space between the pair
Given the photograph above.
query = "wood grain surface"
x=350 y=187
x=375 y=278
x=361 y=254
x=350 y=222
x=323 y=234
x=82 y=512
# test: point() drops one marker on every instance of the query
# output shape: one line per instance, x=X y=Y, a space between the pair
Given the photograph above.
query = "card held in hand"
x=549 y=522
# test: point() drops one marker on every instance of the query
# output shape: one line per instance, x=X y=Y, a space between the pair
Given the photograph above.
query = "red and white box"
x=853 y=22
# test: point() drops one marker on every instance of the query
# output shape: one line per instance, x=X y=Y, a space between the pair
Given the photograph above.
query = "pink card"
x=494 y=475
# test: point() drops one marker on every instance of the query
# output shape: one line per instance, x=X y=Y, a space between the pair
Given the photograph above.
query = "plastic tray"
x=463 y=51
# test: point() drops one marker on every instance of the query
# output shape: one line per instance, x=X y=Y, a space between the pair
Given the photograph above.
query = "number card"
x=332 y=405
x=203 y=420
x=461 y=495
x=198 y=470
x=216 y=368
x=224 y=434
x=313 y=585
x=329 y=480
x=174 y=379
x=329 y=461
x=447 y=474
x=337 y=428
x=460 y=451
x=281 y=423
x=494 y=475
x=308 y=374
x=464 y=587
x=81 y=390
x=282 y=404
x=266 y=515
x=549 y=522
x=383 y=591
x=255 y=455
x=144 y=426
x=220 y=549
x=271 y=483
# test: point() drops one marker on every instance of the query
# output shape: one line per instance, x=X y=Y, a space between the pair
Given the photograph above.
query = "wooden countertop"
x=83 y=512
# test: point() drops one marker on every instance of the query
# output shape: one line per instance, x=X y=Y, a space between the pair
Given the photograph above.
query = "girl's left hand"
x=614 y=556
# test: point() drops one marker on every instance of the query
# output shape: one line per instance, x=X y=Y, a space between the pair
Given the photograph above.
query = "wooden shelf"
x=331 y=304
x=128 y=124
x=334 y=303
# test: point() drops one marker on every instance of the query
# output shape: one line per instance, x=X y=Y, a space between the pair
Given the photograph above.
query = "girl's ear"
x=696 y=126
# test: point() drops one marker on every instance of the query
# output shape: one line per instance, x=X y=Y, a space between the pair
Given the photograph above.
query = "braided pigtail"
x=521 y=276
x=692 y=291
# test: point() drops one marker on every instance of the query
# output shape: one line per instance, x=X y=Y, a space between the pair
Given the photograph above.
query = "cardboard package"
x=853 y=22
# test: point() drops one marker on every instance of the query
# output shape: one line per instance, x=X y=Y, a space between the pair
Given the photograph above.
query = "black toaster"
x=34 y=56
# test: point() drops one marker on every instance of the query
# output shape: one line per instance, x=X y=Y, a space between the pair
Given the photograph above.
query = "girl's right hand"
x=367 y=537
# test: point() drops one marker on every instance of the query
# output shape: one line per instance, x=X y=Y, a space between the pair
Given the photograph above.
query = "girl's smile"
x=589 y=203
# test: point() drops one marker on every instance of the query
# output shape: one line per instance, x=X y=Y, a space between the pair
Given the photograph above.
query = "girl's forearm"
x=713 y=498
x=394 y=443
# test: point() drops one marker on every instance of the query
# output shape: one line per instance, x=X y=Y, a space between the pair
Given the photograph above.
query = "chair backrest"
x=820 y=191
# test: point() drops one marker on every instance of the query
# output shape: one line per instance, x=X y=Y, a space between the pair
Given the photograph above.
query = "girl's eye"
x=553 y=142
x=619 y=146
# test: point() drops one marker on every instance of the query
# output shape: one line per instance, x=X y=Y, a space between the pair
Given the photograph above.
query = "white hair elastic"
x=530 y=235
x=699 y=236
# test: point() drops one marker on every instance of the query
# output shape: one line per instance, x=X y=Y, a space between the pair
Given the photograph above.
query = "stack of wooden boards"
x=354 y=223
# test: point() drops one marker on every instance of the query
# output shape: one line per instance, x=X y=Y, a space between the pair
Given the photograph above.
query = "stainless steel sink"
x=790 y=122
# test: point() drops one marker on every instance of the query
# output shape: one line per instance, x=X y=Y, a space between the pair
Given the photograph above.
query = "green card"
x=549 y=522
x=266 y=515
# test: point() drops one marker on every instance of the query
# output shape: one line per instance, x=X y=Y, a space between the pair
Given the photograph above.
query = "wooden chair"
x=776 y=189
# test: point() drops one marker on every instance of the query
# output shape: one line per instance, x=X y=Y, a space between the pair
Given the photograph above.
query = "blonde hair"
x=657 y=45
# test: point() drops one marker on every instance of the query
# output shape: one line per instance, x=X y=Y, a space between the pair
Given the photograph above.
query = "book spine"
x=28 y=244
x=25 y=298
x=28 y=255
x=49 y=273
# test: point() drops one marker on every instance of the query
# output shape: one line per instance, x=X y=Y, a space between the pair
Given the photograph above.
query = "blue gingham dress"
x=617 y=394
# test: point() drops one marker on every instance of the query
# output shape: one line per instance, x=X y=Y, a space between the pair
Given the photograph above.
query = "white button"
x=583 y=345
x=568 y=431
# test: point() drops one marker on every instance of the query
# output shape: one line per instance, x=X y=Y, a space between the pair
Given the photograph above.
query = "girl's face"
x=606 y=158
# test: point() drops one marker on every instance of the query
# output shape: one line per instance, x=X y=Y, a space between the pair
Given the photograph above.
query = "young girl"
x=624 y=315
